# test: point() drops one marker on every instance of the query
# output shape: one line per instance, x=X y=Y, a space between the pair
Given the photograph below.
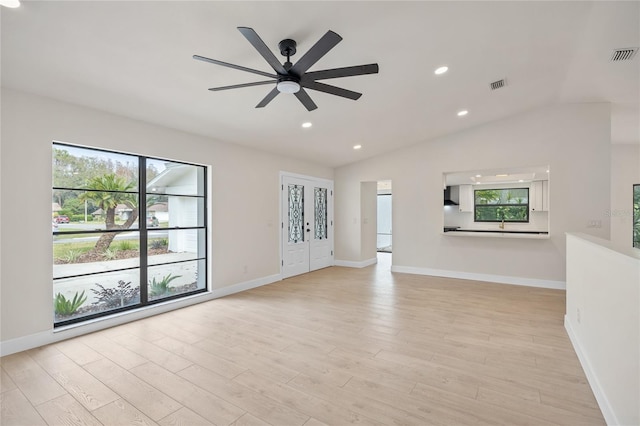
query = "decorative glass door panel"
x=320 y=213
x=296 y=213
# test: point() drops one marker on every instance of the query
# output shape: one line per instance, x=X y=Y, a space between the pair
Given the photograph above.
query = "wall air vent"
x=625 y=54
x=498 y=84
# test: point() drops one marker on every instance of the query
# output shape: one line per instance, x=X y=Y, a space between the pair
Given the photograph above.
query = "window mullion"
x=142 y=224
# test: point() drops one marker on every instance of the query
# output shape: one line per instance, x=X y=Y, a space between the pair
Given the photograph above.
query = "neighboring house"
x=160 y=211
x=179 y=211
x=123 y=211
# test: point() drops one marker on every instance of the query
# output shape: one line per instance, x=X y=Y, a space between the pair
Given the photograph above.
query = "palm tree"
x=107 y=192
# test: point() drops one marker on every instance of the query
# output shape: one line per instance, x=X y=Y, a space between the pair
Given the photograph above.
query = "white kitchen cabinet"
x=465 y=202
x=539 y=196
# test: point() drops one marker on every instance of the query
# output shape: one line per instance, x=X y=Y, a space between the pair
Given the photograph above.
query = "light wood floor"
x=332 y=347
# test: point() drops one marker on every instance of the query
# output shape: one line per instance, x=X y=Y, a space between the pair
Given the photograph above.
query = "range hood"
x=447 y=197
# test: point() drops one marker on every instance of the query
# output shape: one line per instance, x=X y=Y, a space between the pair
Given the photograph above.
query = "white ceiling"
x=497 y=176
x=135 y=59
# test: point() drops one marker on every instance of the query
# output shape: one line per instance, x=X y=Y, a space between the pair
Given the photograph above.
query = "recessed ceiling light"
x=357 y=146
x=463 y=113
x=10 y=3
x=307 y=125
x=503 y=175
x=521 y=180
x=547 y=171
x=478 y=175
x=441 y=70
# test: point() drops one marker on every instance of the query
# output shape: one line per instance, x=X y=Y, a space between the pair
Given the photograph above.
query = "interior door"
x=307 y=225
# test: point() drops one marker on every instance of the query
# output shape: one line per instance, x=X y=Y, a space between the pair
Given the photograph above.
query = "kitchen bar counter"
x=457 y=232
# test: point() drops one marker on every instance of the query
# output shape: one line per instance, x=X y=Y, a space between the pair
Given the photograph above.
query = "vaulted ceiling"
x=135 y=59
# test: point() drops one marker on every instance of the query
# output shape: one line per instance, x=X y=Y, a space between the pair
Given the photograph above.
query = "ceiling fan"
x=294 y=78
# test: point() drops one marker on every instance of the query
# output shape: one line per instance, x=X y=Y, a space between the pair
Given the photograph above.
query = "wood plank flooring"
x=332 y=347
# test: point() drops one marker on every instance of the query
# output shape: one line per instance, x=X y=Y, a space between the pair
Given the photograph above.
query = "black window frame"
x=143 y=236
x=476 y=205
x=635 y=229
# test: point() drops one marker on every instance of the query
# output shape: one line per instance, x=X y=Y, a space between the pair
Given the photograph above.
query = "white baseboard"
x=31 y=341
x=247 y=285
x=353 y=264
x=35 y=340
x=501 y=279
x=603 y=402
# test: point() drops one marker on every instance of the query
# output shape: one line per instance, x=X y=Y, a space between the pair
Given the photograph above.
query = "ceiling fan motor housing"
x=287 y=47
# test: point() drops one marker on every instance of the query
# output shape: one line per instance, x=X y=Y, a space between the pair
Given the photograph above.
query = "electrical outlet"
x=594 y=224
x=246 y=269
x=578 y=316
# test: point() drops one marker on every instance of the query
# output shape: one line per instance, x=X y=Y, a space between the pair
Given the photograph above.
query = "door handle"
x=308 y=230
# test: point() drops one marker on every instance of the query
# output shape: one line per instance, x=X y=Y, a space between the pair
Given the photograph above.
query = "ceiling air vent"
x=498 y=84
x=623 y=54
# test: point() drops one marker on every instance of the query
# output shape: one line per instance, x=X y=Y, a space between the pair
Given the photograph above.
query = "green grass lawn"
x=63 y=236
x=61 y=250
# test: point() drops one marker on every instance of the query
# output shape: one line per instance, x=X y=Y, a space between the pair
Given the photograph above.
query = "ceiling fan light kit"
x=288 y=86
x=294 y=78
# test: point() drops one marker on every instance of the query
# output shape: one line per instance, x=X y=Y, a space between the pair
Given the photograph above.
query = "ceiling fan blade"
x=272 y=94
x=306 y=100
x=262 y=48
x=333 y=90
x=341 y=72
x=238 y=86
x=313 y=55
x=236 y=67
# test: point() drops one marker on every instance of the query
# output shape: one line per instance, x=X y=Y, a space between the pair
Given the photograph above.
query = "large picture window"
x=636 y=216
x=128 y=231
x=497 y=205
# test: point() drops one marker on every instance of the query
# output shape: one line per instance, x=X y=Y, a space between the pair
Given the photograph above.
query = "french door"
x=307 y=224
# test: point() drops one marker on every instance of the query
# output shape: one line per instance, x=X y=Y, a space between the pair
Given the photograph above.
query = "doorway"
x=307 y=224
x=384 y=200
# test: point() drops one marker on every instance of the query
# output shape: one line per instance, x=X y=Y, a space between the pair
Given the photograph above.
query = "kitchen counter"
x=491 y=233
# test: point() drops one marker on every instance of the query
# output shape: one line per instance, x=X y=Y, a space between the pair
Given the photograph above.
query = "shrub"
x=119 y=296
x=160 y=288
x=63 y=306
x=110 y=254
x=126 y=245
x=159 y=243
x=71 y=256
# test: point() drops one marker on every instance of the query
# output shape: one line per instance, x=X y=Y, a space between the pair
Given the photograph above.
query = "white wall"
x=574 y=140
x=603 y=322
x=625 y=172
x=369 y=224
x=245 y=198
